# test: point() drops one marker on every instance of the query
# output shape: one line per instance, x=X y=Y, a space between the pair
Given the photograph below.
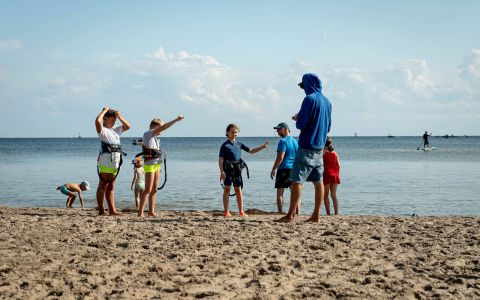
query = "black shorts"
x=231 y=179
x=282 y=180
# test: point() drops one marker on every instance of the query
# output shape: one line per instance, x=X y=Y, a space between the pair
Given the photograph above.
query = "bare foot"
x=242 y=214
x=313 y=220
x=153 y=215
x=286 y=219
x=140 y=215
x=115 y=213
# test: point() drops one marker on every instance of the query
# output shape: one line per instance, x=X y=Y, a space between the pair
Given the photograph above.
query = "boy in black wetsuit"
x=229 y=162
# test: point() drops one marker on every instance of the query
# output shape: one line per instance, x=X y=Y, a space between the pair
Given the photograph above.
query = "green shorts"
x=107 y=170
x=64 y=190
x=151 y=168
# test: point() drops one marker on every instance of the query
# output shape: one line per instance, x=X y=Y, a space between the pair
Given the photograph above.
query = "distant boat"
x=79 y=135
x=138 y=142
x=392 y=136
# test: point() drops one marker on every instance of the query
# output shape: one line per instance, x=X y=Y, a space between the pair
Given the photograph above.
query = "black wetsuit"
x=425 y=140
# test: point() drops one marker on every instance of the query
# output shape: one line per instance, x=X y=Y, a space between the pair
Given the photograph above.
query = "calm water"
x=380 y=176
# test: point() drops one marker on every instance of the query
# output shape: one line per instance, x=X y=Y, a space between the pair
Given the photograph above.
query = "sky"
x=388 y=67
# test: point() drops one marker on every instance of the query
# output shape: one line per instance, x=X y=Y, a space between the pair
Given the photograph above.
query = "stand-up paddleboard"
x=429 y=148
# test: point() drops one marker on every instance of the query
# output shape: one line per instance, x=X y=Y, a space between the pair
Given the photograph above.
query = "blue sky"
x=387 y=67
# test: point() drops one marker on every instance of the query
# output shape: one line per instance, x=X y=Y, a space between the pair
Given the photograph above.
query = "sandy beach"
x=74 y=254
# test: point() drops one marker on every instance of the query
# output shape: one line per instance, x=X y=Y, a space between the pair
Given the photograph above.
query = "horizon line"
x=249 y=136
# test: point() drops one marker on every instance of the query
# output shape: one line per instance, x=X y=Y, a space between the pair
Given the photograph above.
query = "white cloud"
x=470 y=68
x=14 y=44
x=202 y=80
x=416 y=73
x=469 y=72
x=80 y=80
x=404 y=95
x=72 y=85
x=162 y=84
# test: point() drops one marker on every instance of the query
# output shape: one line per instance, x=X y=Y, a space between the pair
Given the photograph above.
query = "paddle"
x=418 y=148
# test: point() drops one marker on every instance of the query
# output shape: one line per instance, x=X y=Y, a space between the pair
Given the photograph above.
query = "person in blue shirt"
x=229 y=161
x=314 y=121
x=286 y=150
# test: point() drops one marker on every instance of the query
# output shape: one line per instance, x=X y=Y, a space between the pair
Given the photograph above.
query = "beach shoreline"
x=73 y=253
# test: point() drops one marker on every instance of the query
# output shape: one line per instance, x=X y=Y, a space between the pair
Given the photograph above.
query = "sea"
x=379 y=175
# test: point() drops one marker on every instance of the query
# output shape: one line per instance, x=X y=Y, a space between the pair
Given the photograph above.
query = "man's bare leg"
x=295 y=196
x=318 y=202
x=280 y=199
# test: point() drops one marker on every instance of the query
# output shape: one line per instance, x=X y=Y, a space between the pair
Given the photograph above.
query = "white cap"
x=86 y=184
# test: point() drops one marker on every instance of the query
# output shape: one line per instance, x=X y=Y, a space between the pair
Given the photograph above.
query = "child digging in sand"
x=69 y=189
x=230 y=163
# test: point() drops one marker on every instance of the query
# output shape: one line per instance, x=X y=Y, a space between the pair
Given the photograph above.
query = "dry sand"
x=73 y=254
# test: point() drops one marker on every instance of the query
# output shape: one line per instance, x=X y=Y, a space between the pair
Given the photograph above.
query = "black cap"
x=281 y=125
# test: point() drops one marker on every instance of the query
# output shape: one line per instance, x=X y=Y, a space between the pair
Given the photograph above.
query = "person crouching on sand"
x=110 y=157
x=69 y=189
x=229 y=162
x=152 y=162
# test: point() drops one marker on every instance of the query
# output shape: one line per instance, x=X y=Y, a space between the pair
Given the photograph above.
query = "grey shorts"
x=308 y=166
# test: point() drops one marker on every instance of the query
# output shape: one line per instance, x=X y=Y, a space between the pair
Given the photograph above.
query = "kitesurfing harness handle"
x=234 y=169
x=111 y=148
x=148 y=154
x=165 y=169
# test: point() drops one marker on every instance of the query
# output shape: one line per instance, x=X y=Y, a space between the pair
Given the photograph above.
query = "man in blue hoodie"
x=313 y=120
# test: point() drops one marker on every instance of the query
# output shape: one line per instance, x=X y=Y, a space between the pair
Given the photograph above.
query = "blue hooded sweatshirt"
x=314 y=117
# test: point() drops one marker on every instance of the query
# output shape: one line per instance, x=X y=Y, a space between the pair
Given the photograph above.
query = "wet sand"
x=74 y=254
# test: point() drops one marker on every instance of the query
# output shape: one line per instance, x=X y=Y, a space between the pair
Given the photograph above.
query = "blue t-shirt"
x=289 y=146
x=232 y=151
